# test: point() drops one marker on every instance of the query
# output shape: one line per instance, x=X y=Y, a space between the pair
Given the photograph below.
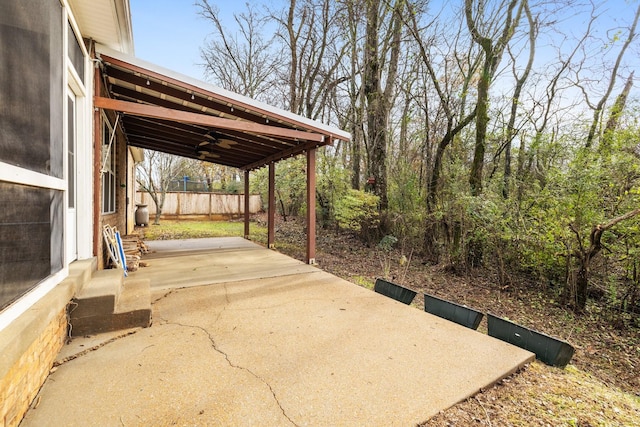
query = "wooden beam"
x=289 y=152
x=154 y=111
x=271 y=210
x=217 y=97
x=246 y=205
x=311 y=206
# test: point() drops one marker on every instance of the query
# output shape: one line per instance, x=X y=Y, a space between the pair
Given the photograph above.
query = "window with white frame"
x=108 y=167
x=32 y=155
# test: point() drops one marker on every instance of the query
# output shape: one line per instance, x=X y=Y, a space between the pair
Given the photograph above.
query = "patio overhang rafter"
x=172 y=113
x=163 y=111
x=203 y=119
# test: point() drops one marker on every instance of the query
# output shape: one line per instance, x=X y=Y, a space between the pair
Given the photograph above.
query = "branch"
x=598 y=110
x=615 y=221
x=575 y=230
x=596 y=233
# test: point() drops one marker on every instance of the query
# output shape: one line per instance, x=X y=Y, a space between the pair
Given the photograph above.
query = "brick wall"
x=23 y=381
x=119 y=218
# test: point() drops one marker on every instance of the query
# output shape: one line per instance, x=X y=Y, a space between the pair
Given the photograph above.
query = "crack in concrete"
x=171 y=291
x=84 y=352
x=242 y=368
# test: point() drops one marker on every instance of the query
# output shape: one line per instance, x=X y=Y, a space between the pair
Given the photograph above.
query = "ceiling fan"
x=213 y=138
x=203 y=150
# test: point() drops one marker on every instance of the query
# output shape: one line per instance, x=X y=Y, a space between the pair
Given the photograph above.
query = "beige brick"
x=30 y=371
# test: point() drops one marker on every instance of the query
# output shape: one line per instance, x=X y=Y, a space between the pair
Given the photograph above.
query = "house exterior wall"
x=131 y=193
x=33 y=326
x=124 y=182
x=20 y=385
x=33 y=323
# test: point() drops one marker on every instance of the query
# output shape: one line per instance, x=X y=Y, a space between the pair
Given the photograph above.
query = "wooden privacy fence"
x=210 y=205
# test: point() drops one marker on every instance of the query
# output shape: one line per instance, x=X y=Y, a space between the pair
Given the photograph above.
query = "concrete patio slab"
x=300 y=349
x=168 y=248
x=196 y=262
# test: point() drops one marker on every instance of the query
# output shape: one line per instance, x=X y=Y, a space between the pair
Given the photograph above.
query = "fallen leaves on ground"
x=601 y=385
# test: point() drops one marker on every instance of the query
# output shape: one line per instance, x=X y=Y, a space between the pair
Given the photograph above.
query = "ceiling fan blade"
x=226 y=143
x=206 y=154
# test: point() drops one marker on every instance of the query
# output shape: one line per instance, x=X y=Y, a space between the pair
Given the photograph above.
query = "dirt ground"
x=601 y=385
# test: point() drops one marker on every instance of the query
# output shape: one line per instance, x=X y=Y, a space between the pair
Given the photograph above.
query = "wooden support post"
x=311 y=206
x=246 y=205
x=271 y=215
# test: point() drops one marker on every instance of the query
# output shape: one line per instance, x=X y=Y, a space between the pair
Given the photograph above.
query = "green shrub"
x=357 y=211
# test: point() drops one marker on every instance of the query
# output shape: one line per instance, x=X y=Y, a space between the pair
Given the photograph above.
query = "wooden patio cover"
x=164 y=111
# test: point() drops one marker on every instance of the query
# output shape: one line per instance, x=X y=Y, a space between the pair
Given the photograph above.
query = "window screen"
x=75 y=53
x=109 y=169
x=71 y=148
x=31 y=137
x=31 y=85
x=31 y=236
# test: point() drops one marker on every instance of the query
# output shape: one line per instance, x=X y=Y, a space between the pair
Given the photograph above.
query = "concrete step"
x=109 y=303
x=100 y=295
x=80 y=272
x=134 y=307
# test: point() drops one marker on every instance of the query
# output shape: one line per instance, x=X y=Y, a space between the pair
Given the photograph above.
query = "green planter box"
x=457 y=313
x=394 y=291
x=549 y=350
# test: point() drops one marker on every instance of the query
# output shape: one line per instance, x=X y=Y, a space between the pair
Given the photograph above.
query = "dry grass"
x=544 y=396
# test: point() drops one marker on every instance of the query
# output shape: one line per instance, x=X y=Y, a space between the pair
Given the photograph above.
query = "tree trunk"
x=617 y=109
x=434 y=181
x=482 y=120
x=355 y=95
x=585 y=256
x=356 y=159
x=159 y=201
x=582 y=284
x=294 y=102
x=520 y=81
x=379 y=100
x=492 y=54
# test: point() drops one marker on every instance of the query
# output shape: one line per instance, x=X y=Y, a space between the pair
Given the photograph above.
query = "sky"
x=170 y=33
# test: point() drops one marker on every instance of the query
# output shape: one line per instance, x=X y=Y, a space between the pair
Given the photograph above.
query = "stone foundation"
x=21 y=384
x=30 y=344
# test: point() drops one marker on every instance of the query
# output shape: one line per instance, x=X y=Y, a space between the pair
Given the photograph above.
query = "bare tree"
x=456 y=69
x=598 y=108
x=515 y=101
x=155 y=174
x=239 y=60
x=315 y=47
x=352 y=21
x=544 y=108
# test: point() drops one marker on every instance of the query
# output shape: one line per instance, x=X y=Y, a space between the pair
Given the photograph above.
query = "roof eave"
x=233 y=98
